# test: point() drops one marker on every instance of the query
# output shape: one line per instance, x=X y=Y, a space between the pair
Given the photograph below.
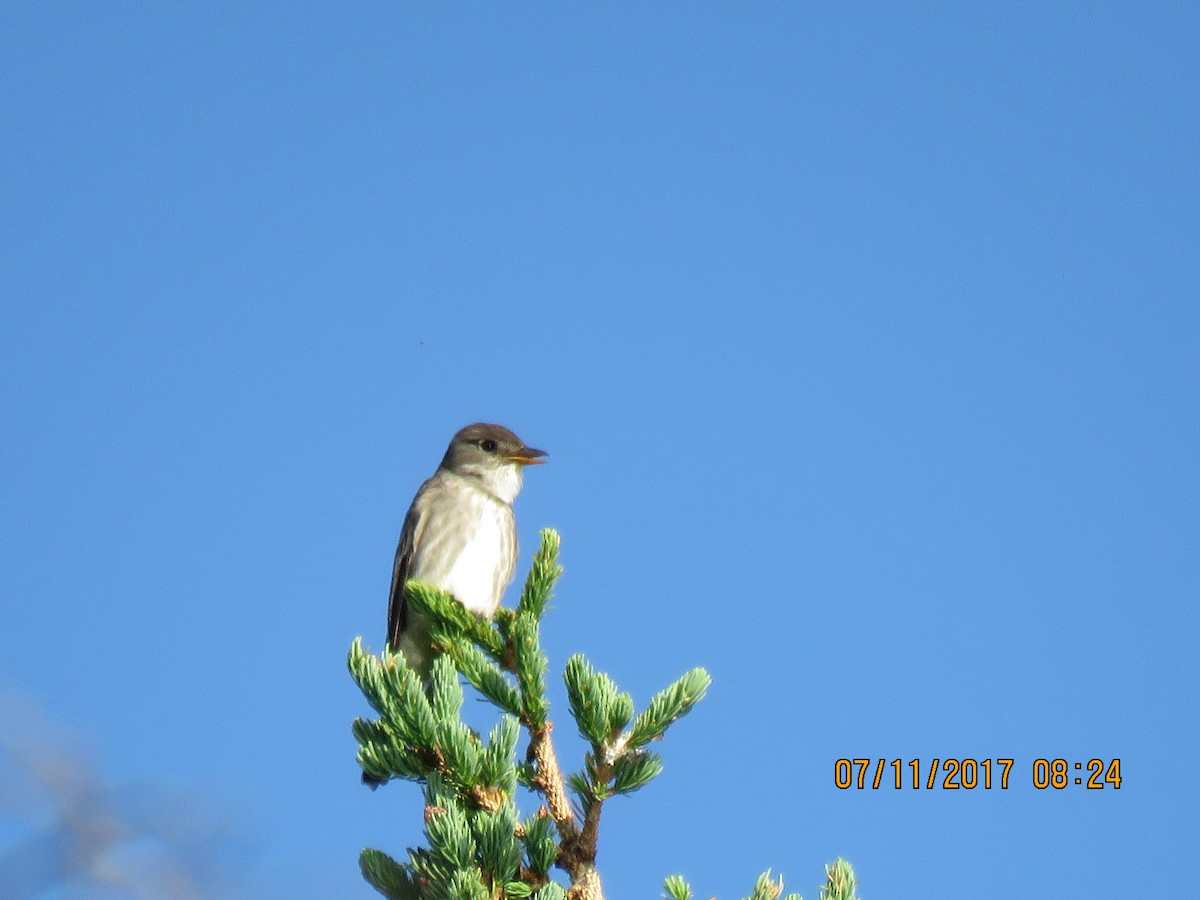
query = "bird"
x=460 y=534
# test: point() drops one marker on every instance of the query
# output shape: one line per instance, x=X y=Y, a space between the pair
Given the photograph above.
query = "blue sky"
x=864 y=341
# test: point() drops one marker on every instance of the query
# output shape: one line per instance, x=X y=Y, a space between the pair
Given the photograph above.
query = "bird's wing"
x=397 y=609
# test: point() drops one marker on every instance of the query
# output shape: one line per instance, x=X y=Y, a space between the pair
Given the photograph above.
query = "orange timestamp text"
x=971 y=774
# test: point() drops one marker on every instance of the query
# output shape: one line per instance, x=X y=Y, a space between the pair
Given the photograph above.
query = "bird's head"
x=493 y=455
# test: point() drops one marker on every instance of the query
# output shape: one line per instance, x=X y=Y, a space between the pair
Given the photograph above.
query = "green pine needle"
x=383 y=756
x=635 y=770
x=499 y=849
x=438 y=605
x=676 y=888
x=545 y=571
x=550 y=891
x=588 y=700
x=466 y=885
x=620 y=711
x=485 y=676
x=541 y=848
x=765 y=888
x=840 y=883
x=582 y=788
x=450 y=837
x=531 y=670
x=462 y=751
x=446 y=695
x=498 y=768
x=387 y=876
x=668 y=706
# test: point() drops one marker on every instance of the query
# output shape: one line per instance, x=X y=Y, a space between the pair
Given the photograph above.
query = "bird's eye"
x=488 y=446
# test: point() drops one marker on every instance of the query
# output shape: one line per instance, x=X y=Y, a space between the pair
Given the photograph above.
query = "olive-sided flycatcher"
x=459 y=534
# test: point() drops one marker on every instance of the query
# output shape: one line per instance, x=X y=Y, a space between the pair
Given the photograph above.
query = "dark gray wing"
x=405 y=551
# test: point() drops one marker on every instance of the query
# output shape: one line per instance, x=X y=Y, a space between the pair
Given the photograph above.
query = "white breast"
x=471 y=556
x=478 y=578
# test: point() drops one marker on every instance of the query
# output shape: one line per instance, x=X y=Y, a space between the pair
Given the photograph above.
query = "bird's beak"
x=527 y=456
